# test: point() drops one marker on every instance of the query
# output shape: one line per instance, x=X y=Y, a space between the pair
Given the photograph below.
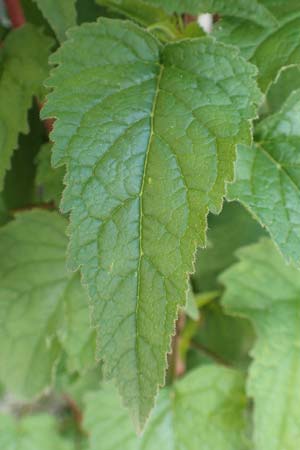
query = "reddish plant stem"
x=15 y=12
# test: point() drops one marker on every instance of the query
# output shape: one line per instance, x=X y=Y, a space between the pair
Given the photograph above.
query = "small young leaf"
x=148 y=134
x=39 y=432
x=264 y=289
x=42 y=306
x=268 y=177
x=61 y=15
x=28 y=49
x=205 y=409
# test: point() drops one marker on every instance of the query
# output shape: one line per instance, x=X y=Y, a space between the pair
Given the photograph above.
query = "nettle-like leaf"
x=49 y=182
x=253 y=10
x=61 y=15
x=148 y=134
x=28 y=49
x=268 y=177
x=205 y=409
x=42 y=306
x=270 y=299
x=31 y=433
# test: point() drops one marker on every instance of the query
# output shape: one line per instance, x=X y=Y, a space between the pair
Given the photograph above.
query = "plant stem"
x=211 y=354
x=15 y=13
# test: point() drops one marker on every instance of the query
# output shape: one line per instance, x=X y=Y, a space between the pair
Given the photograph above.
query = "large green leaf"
x=253 y=10
x=268 y=177
x=148 y=137
x=23 y=68
x=60 y=14
x=264 y=289
x=42 y=306
x=38 y=432
x=203 y=410
x=282 y=8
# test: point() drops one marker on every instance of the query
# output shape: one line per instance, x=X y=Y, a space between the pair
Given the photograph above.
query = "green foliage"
x=271 y=301
x=268 y=177
x=204 y=409
x=43 y=309
x=61 y=15
x=31 y=433
x=164 y=200
x=25 y=48
x=116 y=248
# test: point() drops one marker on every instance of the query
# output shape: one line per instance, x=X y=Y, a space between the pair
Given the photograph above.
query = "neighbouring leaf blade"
x=31 y=433
x=264 y=289
x=286 y=40
x=61 y=15
x=205 y=409
x=49 y=181
x=159 y=158
x=267 y=180
x=253 y=10
x=39 y=302
x=29 y=49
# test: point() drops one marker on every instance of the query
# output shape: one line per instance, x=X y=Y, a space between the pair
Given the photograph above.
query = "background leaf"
x=28 y=48
x=61 y=15
x=42 y=306
x=268 y=181
x=270 y=299
x=205 y=409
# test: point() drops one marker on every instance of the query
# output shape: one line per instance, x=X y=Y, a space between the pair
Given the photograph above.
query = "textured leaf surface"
x=203 y=410
x=25 y=48
x=253 y=10
x=60 y=14
x=42 y=306
x=31 y=433
x=264 y=289
x=49 y=182
x=268 y=177
x=140 y=183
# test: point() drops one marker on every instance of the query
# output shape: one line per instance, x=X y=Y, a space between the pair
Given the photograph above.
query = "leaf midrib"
x=141 y=253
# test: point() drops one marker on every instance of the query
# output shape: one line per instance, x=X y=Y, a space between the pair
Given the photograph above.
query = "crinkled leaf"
x=139 y=184
x=253 y=10
x=60 y=14
x=49 y=181
x=268 y=177
x=205 y=409
x=39 y=432
x=42 y=306
x=24 y=66
x=264 y=289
